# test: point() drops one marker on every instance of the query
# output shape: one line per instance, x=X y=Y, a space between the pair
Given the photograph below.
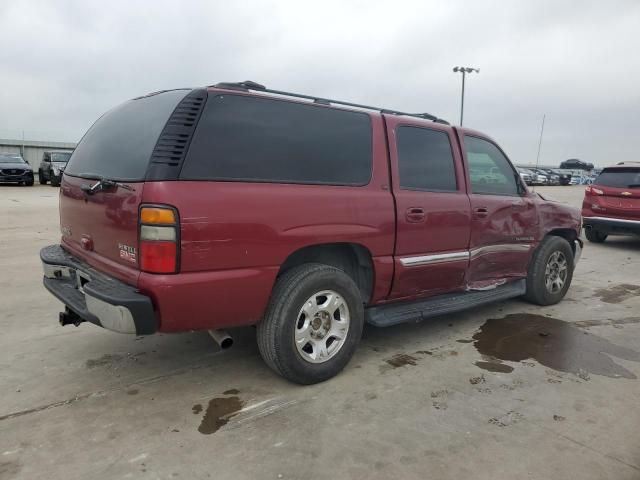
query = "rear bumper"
x=612 y=226
x=94 y=296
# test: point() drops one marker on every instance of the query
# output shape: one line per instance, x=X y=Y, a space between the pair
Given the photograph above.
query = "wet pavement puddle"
x=554 y=343
x=618 y=293
x=495 y=367
x=218 y=413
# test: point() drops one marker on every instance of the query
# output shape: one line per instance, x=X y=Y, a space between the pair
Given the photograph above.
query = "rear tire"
x=550 y=271
x=55 y=182
x=594 y=235
x=312 y=325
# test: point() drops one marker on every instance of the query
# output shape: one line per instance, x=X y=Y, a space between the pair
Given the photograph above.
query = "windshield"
x=4 y=158
x=619 y=178
x=119 y=145
x=60 y=157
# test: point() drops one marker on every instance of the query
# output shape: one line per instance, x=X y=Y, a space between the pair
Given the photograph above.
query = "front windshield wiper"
x=104 y=184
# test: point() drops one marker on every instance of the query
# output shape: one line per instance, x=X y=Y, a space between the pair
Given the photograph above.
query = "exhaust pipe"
x=222 y=338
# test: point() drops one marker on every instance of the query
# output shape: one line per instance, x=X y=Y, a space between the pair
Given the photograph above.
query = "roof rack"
x=249 y=85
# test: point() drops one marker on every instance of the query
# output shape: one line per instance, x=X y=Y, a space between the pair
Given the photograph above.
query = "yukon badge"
x=127 y=253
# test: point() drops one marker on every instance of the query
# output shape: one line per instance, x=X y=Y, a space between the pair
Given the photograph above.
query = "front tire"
x=312 y=325
x=550 y=271
x=594 y=235
x=41 y=179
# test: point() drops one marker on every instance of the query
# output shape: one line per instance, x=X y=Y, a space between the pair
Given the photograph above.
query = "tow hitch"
x=69 y=317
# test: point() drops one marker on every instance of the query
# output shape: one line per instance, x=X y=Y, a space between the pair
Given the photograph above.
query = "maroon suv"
x=611 y=205
x=238 y=205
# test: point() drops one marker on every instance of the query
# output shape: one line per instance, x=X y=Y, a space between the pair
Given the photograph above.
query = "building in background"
x=32 y=150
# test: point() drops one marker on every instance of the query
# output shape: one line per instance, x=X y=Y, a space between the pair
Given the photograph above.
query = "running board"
x=401 y=312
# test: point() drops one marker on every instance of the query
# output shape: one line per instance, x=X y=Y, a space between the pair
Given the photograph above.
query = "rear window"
x=119 y=145
x=619 y=177
x=241 y=138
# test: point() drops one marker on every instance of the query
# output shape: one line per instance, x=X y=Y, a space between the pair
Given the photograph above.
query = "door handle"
x=481 y=212
x=415 y=214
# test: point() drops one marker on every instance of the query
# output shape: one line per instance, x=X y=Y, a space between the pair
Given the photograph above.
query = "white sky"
x=63 y=63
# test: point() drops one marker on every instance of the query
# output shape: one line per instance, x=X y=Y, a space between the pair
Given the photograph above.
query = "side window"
x=251 y=139
x=46 y=158
x=490 y=171
x=425 y=160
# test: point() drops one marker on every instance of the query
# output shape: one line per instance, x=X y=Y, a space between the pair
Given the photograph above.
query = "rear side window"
x=621 y=177
x=425 y=160
x=241 y=138
x=119 y=145
x=490 y=171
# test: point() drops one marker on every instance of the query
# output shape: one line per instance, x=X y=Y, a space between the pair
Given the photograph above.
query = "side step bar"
x=401 y=312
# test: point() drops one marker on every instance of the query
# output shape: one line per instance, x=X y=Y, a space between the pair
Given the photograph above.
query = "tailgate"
x=102 y=228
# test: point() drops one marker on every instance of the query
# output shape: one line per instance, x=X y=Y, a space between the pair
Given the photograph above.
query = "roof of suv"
x=248 y=85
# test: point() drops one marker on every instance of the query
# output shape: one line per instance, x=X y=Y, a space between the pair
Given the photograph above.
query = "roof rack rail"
x=249 y=85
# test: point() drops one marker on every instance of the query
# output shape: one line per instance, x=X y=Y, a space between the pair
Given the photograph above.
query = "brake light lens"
x=158 y=239
x=593 y=190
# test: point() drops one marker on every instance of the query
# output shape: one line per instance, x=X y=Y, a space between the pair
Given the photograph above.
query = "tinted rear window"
x=425 y=160
x=619 y=177
x=119 y=145
x=242 y=138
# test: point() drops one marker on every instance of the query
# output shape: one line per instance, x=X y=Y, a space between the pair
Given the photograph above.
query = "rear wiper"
x=103 y=184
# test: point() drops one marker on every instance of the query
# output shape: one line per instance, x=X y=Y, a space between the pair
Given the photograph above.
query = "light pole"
x=464 y=71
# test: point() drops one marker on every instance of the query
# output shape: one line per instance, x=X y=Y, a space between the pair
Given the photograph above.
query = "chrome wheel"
x=556 y=272
x=322 y=326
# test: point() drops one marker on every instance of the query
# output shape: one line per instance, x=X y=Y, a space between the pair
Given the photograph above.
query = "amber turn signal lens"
x=157 y=216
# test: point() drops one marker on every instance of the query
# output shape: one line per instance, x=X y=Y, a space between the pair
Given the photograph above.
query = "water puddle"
x=218 y=413
x=495 y=367
x=553 y=343
x=618 y=293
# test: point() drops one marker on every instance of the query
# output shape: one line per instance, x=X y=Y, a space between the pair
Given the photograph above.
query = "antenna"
x=540 y=144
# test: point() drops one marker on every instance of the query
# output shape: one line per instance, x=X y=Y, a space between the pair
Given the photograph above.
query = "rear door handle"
x=481 y=212
x=415 y=214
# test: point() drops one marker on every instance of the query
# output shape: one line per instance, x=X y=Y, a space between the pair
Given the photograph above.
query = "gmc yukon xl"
x=236 y=205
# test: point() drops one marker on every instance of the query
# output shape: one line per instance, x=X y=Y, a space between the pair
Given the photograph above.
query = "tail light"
x=590 y=190
x=159 y=236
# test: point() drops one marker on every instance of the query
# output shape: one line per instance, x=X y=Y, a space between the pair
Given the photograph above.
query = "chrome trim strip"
x=509 y=247
x=612 y=219
x=437 y=258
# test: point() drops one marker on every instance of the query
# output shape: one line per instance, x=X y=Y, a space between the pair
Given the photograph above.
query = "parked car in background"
x=235 y=205
x=52 y=166
x=575 y=164
x=525 y=175
x=611 y=204
x=14 y=169
x=565 y=175
x=552 y=178
x=538 y=178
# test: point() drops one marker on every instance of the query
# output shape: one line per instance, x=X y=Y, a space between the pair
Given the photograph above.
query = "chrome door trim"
x=509 y=247
x=436 y=258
